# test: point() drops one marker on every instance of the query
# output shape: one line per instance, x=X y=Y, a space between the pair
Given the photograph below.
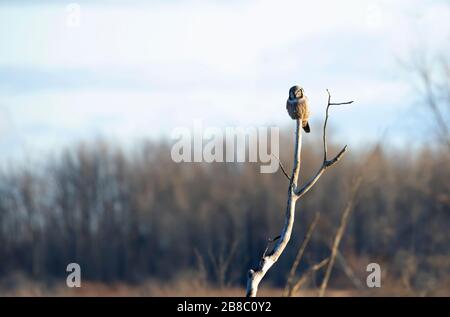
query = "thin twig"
x=348 y=270
x=326 y=121
x=201 y=265
x=232 y=251
x=341 y=103
x=308 y=274
x=282 y=167
x=269 y=241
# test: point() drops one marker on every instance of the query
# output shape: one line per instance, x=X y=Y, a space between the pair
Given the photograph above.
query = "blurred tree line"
x=140 y=215
x=137 y=215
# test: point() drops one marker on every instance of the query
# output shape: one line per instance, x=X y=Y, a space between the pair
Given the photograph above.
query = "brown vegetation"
x=133 y=217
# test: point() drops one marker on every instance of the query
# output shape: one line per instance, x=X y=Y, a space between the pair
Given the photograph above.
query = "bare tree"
x=294 y=193
x=307 y=275
x=433 y=78
x=348 y=271
x=340 y=232
x=221 y=263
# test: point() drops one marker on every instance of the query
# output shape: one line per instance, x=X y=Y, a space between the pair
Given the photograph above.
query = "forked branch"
x=306 y=276
x=294 y=193
x=326 y=163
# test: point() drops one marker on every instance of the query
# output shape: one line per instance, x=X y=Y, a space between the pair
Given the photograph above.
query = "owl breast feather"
x=298 y=108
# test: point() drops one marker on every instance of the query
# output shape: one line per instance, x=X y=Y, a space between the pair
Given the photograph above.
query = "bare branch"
x=432 y=103
x=221 y=262
x=329 y=103
x=282 y=167
x=274 y=239
x=201 y=265
x=433 y=91
x=341 y=103
x=233 y=248
x=268 y=260
x=269 y=241
x=308 y=274
x=339 y=234
x=301 y=251
x=336 y=158
x=326 y=163
x=348 y=271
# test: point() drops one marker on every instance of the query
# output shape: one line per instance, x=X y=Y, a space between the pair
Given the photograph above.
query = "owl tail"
x=306 y=127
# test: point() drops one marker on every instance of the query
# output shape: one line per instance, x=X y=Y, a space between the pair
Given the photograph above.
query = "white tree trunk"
x=294 y=193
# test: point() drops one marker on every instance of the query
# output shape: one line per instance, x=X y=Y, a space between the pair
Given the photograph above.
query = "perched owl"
x=297 y=106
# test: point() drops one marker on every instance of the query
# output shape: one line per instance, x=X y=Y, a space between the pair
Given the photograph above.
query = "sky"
x=131 y=70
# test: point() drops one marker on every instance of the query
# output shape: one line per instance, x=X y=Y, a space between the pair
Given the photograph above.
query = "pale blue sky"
x=133 y=70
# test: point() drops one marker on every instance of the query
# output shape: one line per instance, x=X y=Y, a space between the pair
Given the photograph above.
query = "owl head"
x=295 y=92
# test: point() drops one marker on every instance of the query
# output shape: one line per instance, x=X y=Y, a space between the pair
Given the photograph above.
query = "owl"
x=297 y=106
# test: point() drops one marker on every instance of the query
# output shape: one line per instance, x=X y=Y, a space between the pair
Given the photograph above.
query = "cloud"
x=133 y=69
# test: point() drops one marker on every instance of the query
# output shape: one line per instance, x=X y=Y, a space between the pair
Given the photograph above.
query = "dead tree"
x=433 y=89
x=306 y=276
x=295 y=192
x=339 y=234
